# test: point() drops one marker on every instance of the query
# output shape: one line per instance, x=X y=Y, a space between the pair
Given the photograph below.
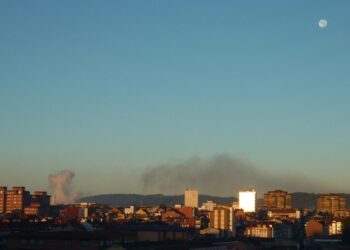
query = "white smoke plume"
x=61 y=185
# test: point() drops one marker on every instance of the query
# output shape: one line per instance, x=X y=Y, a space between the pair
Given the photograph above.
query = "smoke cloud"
x=222 y=175
x=61 y=185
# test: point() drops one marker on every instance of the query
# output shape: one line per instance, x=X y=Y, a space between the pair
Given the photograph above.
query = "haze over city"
x=157 y=96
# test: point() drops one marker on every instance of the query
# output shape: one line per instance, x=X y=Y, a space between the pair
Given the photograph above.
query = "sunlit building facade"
x=331 y=203
x=222 y=218
x=259 y=231
x=209 y=206
x=335 y=228
x=191 y=198
x=20 y=200
x=247 y=200
x=277 y=199
x=17 y=199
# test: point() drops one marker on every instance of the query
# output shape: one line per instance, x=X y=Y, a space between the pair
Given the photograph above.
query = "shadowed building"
x=3 y=191
x=313 y=228
x=32 y=240
x=278 y=199
x=175 y=217
x=39 y=204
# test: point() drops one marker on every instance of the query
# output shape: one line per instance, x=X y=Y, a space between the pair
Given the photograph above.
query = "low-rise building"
x=314 y=228
x=209 y=206
x=61 y=240
x=259 y=231
x=280 y=214
x=174 y=217
x=129 y=210
x=142 y=214
x=335 y=228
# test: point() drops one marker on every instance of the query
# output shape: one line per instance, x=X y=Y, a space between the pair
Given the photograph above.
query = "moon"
x=323 y=23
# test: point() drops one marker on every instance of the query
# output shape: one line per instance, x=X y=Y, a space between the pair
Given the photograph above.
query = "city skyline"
x=37 y=223
x=121 y=92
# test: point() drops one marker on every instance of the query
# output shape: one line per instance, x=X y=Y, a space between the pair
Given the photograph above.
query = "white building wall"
x=247 y=200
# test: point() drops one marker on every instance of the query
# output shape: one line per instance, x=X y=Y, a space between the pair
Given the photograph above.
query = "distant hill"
x=299 y=199
x=150 y=200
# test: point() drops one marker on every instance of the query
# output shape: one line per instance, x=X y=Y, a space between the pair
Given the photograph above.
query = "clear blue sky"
x=107 y=88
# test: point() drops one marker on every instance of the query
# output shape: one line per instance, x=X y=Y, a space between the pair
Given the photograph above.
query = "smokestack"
x=61 y=185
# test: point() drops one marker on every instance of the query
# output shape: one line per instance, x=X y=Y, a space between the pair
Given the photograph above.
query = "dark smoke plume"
x=61 y=185
x=221 y=175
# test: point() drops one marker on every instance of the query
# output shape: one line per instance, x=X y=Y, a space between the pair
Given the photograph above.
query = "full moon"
x=323 y=23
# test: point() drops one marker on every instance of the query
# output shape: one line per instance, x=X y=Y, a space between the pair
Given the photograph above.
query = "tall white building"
x=247 y=200
x=191 y=198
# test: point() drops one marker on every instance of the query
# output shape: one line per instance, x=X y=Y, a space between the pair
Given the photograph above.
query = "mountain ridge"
x=150 y=200
x=299 y=199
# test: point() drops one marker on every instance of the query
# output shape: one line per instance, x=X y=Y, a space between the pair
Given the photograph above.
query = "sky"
x=112 y=90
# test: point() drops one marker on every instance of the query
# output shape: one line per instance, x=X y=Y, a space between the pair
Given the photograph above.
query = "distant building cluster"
x=272 y=222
